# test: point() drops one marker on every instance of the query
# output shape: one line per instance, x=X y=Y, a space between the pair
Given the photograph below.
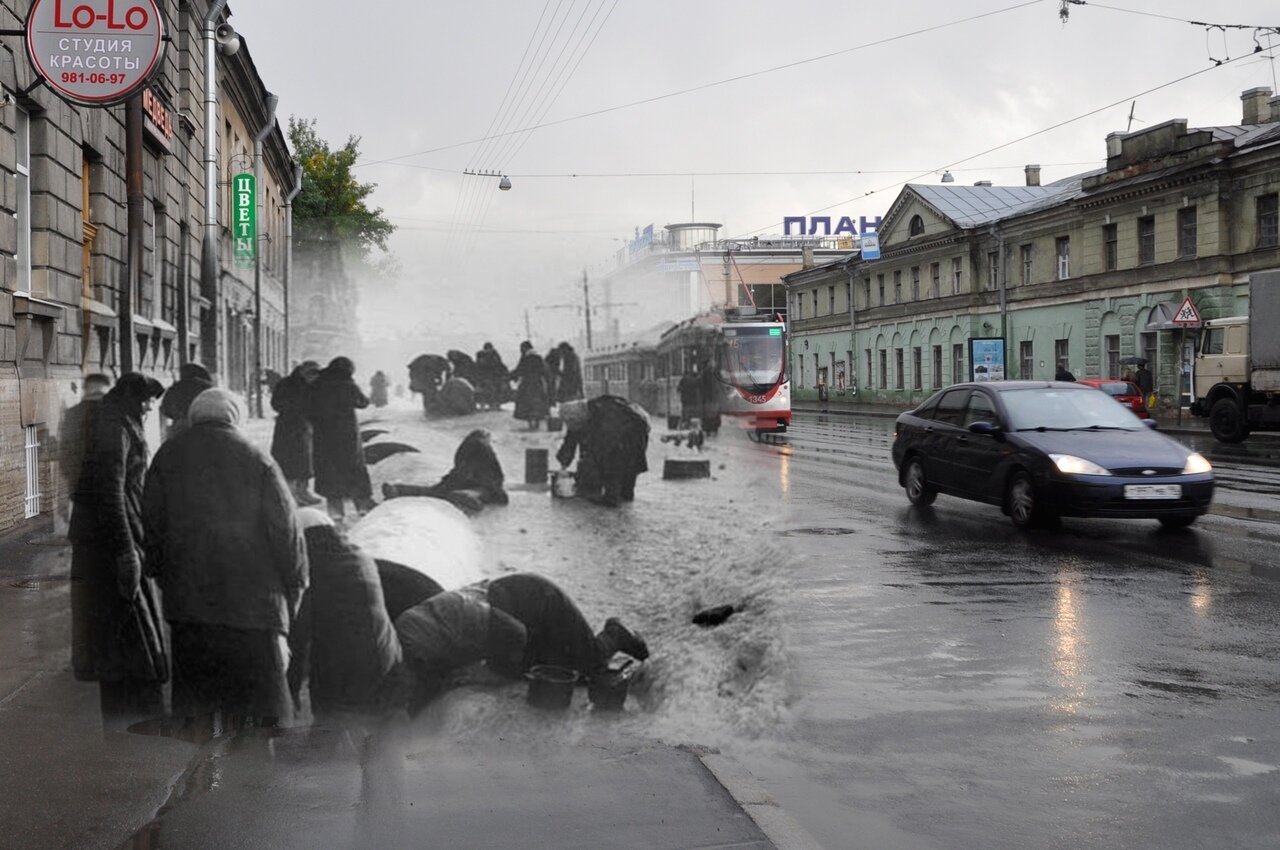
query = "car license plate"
x=1153 y=491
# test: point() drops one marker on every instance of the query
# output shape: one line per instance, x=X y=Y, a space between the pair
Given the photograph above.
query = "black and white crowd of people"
x=206 y=581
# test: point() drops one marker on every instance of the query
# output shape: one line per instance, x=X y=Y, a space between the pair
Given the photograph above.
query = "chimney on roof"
x=1033 y=175
x=806 y=257
x=1115 y=144
x=1256 y=108
x=983 y=183
x=1275 y=108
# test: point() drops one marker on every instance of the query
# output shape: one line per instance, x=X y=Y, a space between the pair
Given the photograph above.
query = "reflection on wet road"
x=963 y=684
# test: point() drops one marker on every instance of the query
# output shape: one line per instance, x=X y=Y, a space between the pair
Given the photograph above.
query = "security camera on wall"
x=228 y=41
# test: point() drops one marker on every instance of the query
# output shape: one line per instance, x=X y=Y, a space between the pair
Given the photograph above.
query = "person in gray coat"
x=223 y=542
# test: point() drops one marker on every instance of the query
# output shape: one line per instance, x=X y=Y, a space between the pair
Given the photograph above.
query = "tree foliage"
x=331 y=205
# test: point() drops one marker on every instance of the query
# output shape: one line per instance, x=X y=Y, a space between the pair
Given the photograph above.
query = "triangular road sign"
x=1187 y=314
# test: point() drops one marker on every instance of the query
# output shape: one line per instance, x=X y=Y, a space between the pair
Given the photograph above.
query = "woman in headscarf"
x=493 y=389
x=533 y=399
x=224 y=543
x=193 y=379
x=291 y=439
x=117 y=637
x=613 y=436
x=341 y=473
x=569 y=387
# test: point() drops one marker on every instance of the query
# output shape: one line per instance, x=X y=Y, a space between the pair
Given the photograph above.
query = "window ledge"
x=26 y=304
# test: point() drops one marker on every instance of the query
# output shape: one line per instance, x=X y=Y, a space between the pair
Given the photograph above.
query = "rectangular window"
x=1147 y=341
x=880 y=281
x=915 y=283
x=1025 y=251
x=22 y=203
x=956 y=276
x=957 y=362
x=993 y=270
x=1110 y=247
x=897 y=364
x=799 y=306
x=869 y=382
x=32 y=503
x=897 y=287
x=1111 y=354
x=1187 y=232
x=1147 y=239
x=815 y=303
x=1269 y=220
x=848 y=296
x=884 y=370
x=1026 y=360
x=937 y=367
x=1062 y=354
x=935 y=275
x=1063 y=246
x=831 y=300
x=866 y=292
x=916 y=369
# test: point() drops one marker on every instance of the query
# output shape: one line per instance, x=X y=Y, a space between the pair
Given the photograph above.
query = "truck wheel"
x=1227 y=422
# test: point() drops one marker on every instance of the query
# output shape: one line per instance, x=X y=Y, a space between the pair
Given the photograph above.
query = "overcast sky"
x=410 y=76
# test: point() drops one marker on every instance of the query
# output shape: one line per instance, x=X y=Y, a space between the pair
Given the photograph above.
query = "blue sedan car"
x=1041 y=450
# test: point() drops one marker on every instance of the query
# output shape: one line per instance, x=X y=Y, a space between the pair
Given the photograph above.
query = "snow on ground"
x=680 y=547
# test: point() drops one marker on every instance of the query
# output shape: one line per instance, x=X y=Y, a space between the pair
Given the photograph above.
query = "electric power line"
x=1004 y=145
x=705 y=86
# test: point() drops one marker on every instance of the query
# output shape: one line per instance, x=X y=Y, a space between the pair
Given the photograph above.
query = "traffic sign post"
x=1186 y=316
x=1187 y=313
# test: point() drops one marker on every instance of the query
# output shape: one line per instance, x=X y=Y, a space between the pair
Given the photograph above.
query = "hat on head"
x=215 y=405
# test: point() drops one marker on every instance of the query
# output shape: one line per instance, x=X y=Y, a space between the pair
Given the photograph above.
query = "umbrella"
x=1133 y=361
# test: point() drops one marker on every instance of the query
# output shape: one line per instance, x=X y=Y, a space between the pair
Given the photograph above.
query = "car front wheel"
x=1022 y=501
x=918 y=490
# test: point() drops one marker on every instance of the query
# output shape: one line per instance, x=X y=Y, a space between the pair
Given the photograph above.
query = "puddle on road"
x=1179 y=688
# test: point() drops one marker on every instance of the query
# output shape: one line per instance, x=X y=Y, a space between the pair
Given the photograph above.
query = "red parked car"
x=1125 y=392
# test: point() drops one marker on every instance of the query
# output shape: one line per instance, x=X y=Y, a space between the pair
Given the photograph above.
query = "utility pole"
x=586 y=304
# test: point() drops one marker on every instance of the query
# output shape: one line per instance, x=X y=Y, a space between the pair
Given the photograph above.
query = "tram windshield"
x=751 y=358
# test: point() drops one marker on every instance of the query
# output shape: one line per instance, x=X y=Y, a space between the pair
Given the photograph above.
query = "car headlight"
x=1072 y=465
x=1196 y=464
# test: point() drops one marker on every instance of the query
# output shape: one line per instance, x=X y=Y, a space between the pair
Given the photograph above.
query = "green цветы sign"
x=244 y=219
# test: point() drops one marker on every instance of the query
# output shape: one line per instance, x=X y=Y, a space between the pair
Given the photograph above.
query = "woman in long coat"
x=291 y=439
x=570 y=385
x=533 y=398
x=117 y=633
x=339 y=455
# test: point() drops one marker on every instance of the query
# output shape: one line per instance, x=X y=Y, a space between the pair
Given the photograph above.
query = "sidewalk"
x=63 y=783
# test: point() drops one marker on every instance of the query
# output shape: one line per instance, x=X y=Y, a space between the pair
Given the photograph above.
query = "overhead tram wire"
x=527 y=97
x=1004 y=145
x=717 y=83
x=494 y=120
x=1173 y=18
x=562 y=80
x=499 y=154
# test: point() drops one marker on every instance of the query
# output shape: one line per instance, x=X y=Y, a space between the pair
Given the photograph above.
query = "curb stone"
x=760 y=806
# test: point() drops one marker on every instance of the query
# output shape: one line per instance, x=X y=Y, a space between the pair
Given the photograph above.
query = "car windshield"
x=1054 y=408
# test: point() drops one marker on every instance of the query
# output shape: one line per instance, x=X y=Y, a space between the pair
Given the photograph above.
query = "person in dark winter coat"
x=569 y=385
x=533 y=399
x=292 y=437
x=340 y=468
x=494 y=388
x=1063 y=374
x=342 y=642
x=512 y=623
x=552 y=362
x=427 y=375
x=193 y=379
x=690 y=389
x=224 y=543
x=613 y=437
x=378 y=389
x=461 y=365
x=73 y=436
x=476 y=475
x=711 y=390
x=117 y=633
x=1143 y=379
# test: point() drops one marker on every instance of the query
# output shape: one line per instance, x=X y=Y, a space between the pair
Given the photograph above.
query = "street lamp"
x=947 y=178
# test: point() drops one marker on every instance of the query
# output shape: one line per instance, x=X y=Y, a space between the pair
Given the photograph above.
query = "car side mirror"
x=1151 y=423
x=991 y=429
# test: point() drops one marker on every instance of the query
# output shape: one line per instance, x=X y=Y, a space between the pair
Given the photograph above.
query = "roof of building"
x=974 y=206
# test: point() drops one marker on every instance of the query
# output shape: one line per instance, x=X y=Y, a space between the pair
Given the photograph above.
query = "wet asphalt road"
x=962 y=684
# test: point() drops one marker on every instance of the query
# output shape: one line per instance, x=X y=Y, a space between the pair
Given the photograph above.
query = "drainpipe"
x=209 y=260
x=288 y=254
x=853 y=335
x=267 y=126
x=136 y=222
x=1004 y=331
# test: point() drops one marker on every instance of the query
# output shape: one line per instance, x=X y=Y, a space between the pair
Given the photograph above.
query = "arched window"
x=917 y=226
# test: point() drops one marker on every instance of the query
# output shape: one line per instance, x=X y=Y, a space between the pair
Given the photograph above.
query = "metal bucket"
x=608 y=690
x=551 y=687
x=561 y=484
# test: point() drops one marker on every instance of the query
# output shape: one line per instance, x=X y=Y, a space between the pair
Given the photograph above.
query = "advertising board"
x=95 y=52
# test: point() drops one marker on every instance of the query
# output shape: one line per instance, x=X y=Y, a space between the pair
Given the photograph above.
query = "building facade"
x=1085 y=272
x=69 y=305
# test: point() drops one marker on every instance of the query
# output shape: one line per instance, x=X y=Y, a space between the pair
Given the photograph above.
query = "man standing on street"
x=224 y=543
x=1144 y=381
x=73 y=436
